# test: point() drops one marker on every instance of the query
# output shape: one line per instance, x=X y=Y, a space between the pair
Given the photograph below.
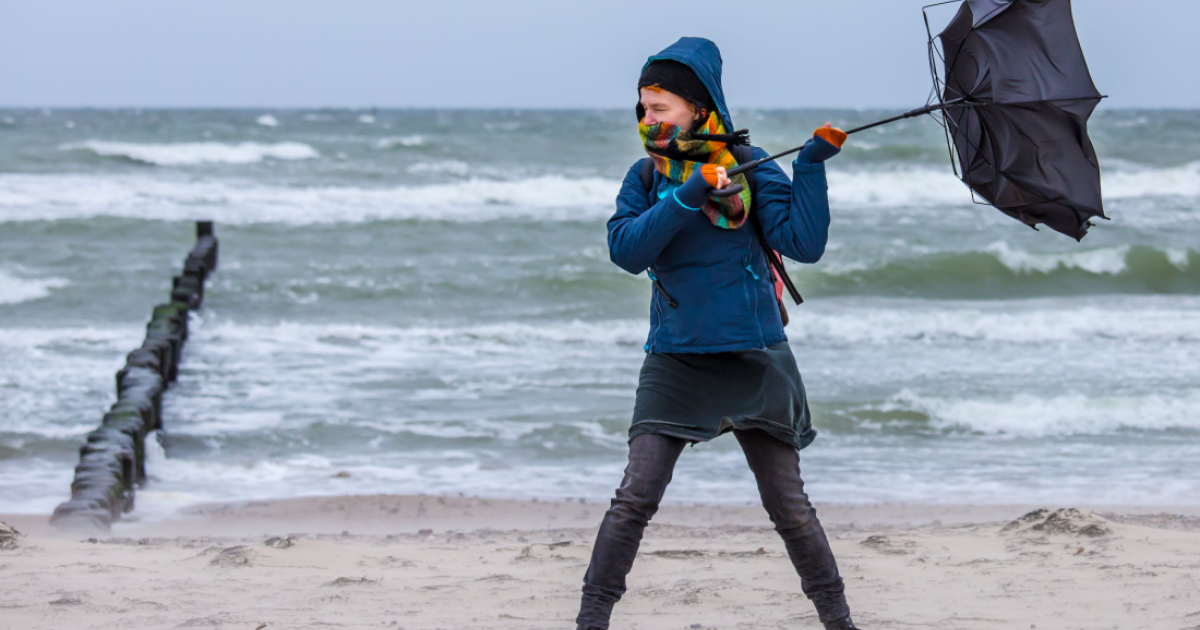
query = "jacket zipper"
x=657 y=300
x=658 y=285
x=754 y=291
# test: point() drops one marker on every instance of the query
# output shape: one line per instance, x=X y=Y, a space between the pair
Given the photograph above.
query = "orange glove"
x=709 y=172
x=832 y=135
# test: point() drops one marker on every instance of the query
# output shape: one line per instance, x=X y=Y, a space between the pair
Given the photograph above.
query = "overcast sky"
x=528 y=53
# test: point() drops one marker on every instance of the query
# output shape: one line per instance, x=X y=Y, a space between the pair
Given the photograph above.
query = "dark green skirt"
x=700 y=396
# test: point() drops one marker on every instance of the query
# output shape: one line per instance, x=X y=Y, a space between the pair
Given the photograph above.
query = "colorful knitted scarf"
x=678 y=153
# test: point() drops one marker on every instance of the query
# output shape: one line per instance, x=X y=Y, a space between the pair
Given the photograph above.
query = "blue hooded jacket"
x=718 y=276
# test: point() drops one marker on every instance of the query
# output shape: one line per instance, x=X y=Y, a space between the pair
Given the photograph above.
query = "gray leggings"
x=776 y=468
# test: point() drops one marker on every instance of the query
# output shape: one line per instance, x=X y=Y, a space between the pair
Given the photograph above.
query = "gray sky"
x=527 y=53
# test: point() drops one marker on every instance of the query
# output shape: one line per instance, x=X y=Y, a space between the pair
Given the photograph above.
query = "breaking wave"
x=191 y=153
x=14 y=290
x=553 y=198
x=402 y=142
x=1000 y=271
x=1025 y=415
x=926 y=186
x=26 y=197
x=1002 y=322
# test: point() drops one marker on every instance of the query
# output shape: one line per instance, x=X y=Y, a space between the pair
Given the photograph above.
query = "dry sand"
x=363 y=562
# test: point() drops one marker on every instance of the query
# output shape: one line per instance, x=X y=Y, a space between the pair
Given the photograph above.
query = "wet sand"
x=422 y=562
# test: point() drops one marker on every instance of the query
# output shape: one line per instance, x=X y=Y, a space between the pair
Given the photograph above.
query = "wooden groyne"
x=112 y=463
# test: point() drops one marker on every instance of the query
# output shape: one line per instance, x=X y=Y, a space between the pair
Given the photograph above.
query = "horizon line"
x=4 y=107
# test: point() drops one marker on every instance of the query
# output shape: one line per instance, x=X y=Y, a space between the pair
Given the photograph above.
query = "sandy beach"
x=427 y=562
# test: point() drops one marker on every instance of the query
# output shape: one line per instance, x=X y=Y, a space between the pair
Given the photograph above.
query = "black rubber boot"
x=845 y=623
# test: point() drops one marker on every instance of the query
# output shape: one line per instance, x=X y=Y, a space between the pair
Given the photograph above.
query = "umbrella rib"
x=939 y=87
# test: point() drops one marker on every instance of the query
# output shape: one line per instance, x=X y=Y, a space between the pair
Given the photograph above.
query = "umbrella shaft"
x=920 y=111
x=916 y=112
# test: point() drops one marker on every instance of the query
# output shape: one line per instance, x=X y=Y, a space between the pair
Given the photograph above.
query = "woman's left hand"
x=714 y=176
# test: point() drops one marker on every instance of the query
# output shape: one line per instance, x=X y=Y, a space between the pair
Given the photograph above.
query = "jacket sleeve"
x=638 y=232
x=795 y=215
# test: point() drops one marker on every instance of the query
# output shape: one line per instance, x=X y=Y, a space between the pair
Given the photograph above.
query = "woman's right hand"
x=694 y=192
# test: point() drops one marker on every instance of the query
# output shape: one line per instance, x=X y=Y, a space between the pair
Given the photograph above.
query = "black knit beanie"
x=677 y=79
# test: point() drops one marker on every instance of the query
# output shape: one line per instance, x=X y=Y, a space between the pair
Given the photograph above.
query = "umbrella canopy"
x=1023 y=95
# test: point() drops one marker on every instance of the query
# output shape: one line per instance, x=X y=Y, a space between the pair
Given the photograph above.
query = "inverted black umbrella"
x=1015 y=95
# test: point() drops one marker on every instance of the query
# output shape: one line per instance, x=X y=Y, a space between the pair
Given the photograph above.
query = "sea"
x=422 y=301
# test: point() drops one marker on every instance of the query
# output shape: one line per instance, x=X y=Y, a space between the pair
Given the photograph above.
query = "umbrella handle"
x=730 y=191
x=727 y=191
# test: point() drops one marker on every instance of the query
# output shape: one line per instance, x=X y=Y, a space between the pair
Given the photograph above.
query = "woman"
x=717 y=358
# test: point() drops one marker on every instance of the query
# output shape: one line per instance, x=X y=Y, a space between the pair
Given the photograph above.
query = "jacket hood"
x=704 y=58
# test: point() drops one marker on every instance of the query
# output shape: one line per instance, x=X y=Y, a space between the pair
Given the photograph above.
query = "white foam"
x=1180 y=258
x=403 y=141
x=58 y=381
x=1108 y=260
x=896 y=188
x=192 y=153
x=1031 y=416
x=475 y=339
x=445 y=167
x=1180 y=181
x=316 y=366
x=14 y=290
x=923 y=186
x=54 y=197
x=1005 y=322
x=550 y=197
x=267 y=120
x=33 y=485
x=366 y=119
x=1102 y=261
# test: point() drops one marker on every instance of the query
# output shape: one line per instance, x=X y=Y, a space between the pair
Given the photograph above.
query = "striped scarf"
x=677 y=154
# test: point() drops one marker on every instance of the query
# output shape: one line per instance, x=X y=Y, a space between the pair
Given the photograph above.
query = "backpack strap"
x=743 y=154
x=646 y=174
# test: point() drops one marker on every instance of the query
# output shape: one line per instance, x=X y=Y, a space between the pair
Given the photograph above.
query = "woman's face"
x=664 y=107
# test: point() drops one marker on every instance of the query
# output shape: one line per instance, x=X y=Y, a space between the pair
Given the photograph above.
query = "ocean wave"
x=286 y=366
x=545 y=345
x=267 y=120
x=192 y=153
x=14 y=290
x=548 y=197
x=1026 y=415
x=924 y=186
x=177 y=483
x=404 y=142
x=54 y=197
x=1104 y=261
x=1027 y=322
x=431 y=371
x=57 y=381
x=1000 y=270
x=1180 y=181
x=443 y=167
x=481 y=338
x=896 y=188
